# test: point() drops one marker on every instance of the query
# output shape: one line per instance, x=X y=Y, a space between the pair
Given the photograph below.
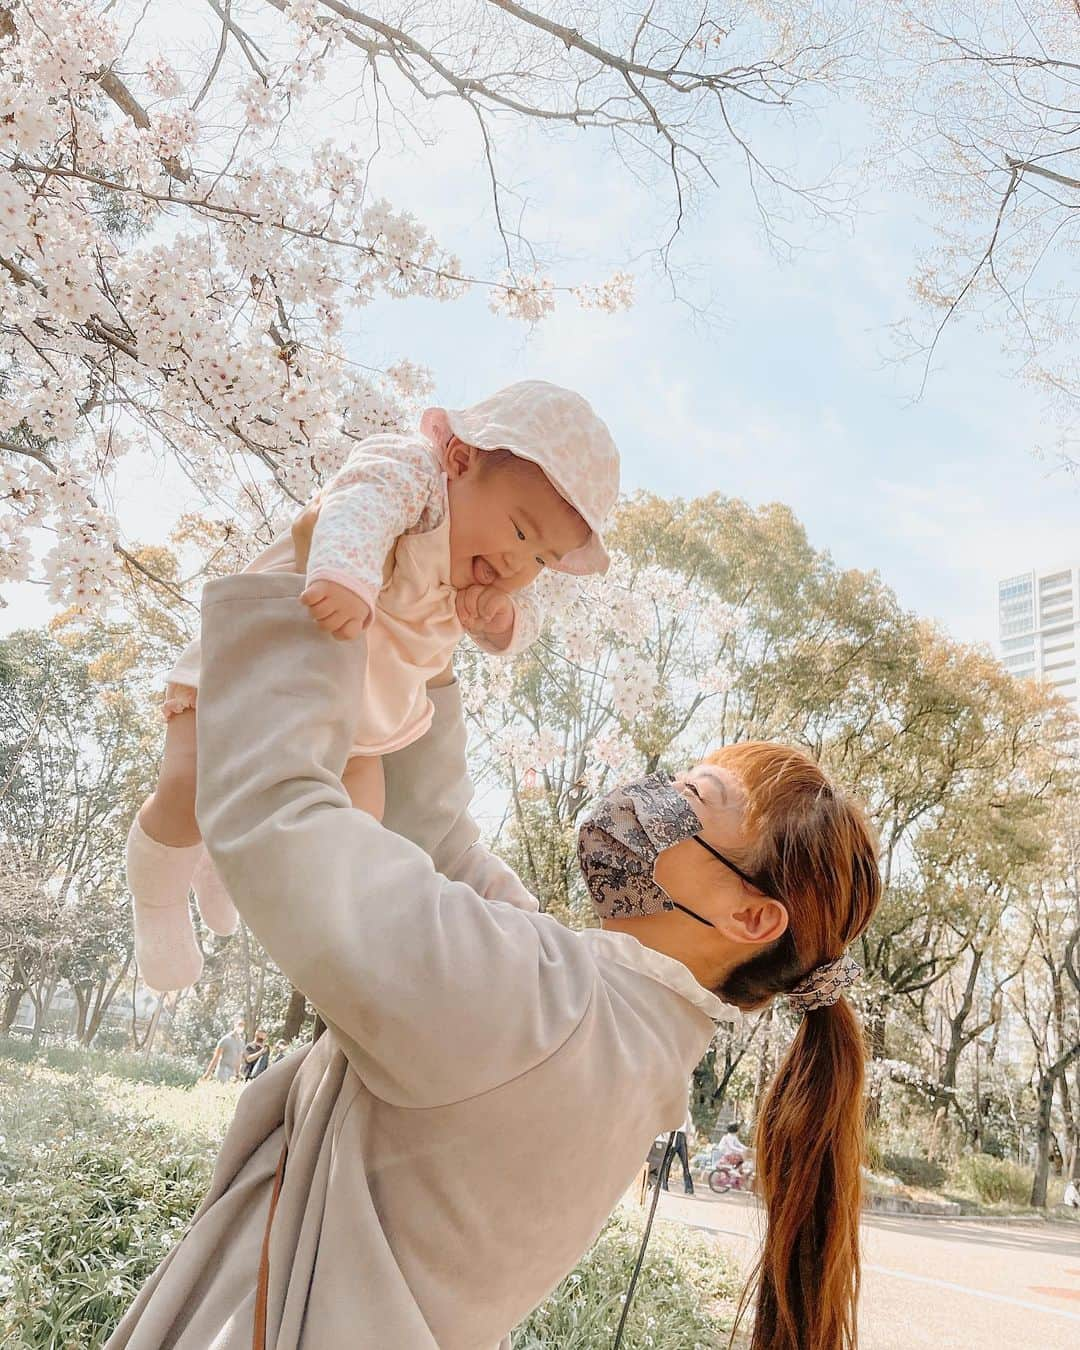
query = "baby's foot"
x=215 y=904
x=159 y=878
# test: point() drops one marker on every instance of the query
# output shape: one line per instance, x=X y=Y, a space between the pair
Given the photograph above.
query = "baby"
x=419 y=539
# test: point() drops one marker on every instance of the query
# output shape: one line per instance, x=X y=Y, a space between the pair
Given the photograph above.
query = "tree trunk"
x=151 y=1030
x=82 y=1004
x=104 y=995
x=1045 y=1099
x=38 y=1000
x=765 y=1062
x=12 y=999
x=1074 y=1142
x=875 y=1043
x=249 y=1009
x=294 y=1016
x=260 y=997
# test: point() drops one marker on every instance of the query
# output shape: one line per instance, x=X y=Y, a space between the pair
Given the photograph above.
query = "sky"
x=784 y=390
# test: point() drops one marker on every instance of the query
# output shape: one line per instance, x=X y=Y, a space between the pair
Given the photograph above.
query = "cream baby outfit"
x=384 y=533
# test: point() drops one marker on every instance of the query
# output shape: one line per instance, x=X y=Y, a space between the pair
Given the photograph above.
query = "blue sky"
x=789 y=391
x=783 y=393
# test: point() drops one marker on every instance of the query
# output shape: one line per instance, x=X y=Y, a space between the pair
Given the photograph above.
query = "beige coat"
x=490 y=1082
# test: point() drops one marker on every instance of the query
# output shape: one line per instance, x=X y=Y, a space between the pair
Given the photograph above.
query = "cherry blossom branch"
x=1026 y=166
x=223 y=210
x=112 y=85
x=39 y=456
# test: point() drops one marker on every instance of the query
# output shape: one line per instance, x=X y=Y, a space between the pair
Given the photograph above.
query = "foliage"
x=683 y=1302
x=92 y=1198
x=992 y=1180
x=183 y=247
x=76 y=750
x=980 y=117
x=157 y=1069
x=719 y=623
x=914 y=1170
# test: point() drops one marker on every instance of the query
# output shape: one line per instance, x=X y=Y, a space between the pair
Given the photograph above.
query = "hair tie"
x=825 y=983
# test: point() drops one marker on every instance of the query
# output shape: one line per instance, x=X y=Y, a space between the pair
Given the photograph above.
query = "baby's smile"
x=483 y=572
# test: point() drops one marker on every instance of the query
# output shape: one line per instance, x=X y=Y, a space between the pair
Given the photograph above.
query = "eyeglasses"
x=743 y=876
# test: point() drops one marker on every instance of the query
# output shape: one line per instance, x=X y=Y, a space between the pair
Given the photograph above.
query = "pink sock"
x=218 y=911
x=159 y=878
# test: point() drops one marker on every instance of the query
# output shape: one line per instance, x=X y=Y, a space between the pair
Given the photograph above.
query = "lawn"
x=99 y=1174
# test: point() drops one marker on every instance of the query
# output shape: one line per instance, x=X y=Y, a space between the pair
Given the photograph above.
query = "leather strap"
x=258 y=1340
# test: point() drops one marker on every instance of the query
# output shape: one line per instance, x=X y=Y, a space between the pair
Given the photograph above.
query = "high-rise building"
x=1039 y=627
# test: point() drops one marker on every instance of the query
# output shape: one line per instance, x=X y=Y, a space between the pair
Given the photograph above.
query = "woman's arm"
x=433 y=993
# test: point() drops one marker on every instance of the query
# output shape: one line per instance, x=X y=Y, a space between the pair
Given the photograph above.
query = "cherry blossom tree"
x=182 y=244
x=980 y=105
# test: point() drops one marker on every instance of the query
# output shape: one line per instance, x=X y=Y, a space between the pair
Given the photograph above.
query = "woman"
x=425 y=1173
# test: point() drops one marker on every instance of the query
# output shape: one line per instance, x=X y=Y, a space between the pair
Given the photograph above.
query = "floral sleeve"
x=384 y=490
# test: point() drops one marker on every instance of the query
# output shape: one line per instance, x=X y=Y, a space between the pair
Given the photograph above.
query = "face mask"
x=620 y=841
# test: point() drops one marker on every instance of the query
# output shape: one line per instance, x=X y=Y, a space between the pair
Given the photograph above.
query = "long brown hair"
x=813 y=850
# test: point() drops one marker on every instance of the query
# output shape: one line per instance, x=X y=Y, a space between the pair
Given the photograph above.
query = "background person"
x=228 y=1057
x=682 y=1152
x=731 y=1148
x=256 y=1056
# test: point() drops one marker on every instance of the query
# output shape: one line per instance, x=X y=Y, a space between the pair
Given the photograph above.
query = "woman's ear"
x=760 y=920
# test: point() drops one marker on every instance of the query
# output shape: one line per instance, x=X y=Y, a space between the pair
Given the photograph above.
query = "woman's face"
x=690 y=873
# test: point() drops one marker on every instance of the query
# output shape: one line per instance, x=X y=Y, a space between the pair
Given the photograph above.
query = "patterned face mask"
x=619 y=843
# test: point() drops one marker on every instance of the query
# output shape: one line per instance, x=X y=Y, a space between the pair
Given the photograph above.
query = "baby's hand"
x=336 y=609
x=487 y=613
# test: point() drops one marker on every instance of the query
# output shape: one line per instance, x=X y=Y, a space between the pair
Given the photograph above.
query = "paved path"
x=937 y=1284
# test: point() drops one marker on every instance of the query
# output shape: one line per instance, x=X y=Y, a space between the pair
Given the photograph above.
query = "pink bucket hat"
x=555 y=429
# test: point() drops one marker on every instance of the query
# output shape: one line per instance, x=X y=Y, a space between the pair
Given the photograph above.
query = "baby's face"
x=506 y=523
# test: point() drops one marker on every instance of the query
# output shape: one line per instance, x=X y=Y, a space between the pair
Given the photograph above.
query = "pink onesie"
x=384 y=532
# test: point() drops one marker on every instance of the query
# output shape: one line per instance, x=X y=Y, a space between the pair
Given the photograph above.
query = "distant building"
x=1038 y=627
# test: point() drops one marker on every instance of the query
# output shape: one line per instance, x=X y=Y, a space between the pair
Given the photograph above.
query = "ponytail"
x=814 y=850
x=809 y=1154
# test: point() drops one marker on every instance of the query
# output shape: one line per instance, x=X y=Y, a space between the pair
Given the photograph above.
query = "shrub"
x=682 y=1301
x=159 y=1069
x=992 y=1180
x=914 y=1170
x=90 y=1201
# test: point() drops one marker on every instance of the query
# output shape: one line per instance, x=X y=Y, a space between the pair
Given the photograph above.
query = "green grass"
x=99 y=1175
x=93 y=1192
x=685 y=1298
x=174 y=1070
